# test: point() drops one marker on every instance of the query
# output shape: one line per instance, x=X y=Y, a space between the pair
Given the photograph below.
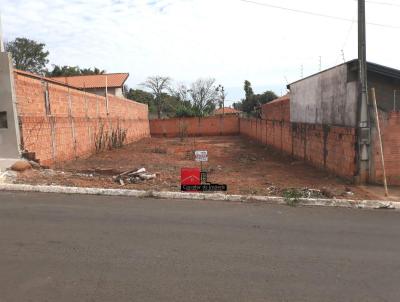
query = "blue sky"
x=229 y=40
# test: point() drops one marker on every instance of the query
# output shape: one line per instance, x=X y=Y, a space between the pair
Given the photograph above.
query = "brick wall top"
x=30 y=91
x=277 y=110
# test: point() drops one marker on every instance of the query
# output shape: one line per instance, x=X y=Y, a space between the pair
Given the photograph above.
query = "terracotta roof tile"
x=226 y=110
x=95 y=81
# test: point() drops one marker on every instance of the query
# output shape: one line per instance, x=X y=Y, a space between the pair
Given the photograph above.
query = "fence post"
x=380 y=141
x=71 y=120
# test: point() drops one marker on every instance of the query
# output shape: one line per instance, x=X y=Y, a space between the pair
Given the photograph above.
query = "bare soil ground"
x=245 y=166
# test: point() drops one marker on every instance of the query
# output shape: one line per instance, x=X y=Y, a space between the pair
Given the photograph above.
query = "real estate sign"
x=201 y=156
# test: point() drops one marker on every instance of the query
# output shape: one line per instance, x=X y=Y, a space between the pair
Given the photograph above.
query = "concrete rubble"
x=133 y=176
x=8 y=177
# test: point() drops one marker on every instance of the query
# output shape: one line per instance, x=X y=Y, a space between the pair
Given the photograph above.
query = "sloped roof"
x=226 y=110
x=285 y=97
x=95 y=81
x=354 y=65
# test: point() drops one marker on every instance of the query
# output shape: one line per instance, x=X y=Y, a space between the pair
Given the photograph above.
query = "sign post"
x=201 y=156
x=195 y=179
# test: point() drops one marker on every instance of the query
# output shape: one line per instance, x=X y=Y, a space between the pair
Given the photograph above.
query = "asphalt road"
x=92 y=248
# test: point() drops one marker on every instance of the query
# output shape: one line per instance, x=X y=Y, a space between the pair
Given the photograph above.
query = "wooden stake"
x=380 y=141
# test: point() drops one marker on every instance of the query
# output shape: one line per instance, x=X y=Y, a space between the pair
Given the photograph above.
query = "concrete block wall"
x=67 y=129
x=9 y=130
x=195 y=126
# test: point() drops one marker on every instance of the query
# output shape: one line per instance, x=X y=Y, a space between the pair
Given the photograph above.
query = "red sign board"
x=190 y=176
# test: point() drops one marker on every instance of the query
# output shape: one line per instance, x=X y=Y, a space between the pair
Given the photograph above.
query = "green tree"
x=141 y=96
x=28 y=55
x=184 y=107
x=63 y=71
x=237 y=106
x=266 y=97
x=67 y=71
x=185 y=110
x=158 y=86
x=89 y=71
x=170 y=105
x=252 y=102
x=248 y=89
x=204 y=96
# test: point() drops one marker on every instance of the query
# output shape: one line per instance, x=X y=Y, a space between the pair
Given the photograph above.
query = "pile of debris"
x=295 y=193
x=134 y=176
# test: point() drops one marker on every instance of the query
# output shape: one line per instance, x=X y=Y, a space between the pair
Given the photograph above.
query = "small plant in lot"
x=100 y=140
x=117 y=138
x=292 y=196
x=183 y=130
x=104 y=139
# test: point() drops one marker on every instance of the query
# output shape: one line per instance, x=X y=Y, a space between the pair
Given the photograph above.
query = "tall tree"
x=184 y=106
x=28 y=55
x=139 y=95
x=248 y=89
x=204 y=96
x=158 y=85
x=252 y=102
x=266 y=97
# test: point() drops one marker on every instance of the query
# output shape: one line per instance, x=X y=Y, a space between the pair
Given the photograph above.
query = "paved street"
x=93 y=248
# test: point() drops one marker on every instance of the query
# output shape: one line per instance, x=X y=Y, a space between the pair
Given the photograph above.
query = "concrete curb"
x=359 y=204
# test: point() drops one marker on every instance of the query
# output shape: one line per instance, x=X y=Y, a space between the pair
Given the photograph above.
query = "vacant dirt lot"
x=245 y=166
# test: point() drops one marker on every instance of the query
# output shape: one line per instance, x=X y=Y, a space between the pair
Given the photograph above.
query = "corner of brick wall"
x=390 y=131
x=68 y=130
x=330 y=148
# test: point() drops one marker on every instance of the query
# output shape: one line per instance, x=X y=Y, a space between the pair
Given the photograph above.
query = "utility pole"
x=364 y=124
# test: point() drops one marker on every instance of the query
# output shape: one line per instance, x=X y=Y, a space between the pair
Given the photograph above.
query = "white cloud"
x=186 y=39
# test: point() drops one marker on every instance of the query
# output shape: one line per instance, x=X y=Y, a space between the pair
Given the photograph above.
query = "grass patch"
x=292 y=196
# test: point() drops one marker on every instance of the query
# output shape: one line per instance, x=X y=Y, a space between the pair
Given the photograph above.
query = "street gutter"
x=346 y=203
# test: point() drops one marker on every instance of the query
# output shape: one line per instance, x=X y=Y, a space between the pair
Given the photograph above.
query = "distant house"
x=226 y=111
x=98 y=83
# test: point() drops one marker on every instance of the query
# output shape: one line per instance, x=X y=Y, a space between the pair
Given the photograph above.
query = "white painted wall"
x=325 y=98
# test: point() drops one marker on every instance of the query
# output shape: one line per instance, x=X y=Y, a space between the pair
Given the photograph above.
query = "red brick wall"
x=327 y=147
x=195 y=126
x=277 y=110
x=390 y=129
x=330 y=148
x=69 y=130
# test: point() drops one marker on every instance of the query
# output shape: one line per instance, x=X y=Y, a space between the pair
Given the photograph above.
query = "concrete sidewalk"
x=379 y=192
